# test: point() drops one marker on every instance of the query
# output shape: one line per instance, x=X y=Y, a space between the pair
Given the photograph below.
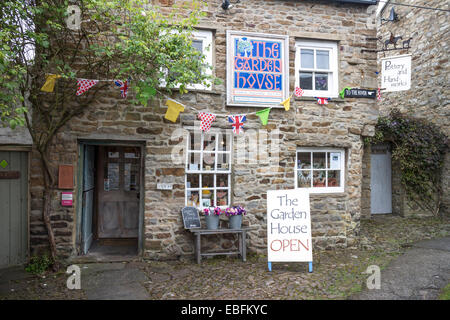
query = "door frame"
x=79 y=189
x=28 y=150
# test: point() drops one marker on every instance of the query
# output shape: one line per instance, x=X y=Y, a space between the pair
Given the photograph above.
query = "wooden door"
x=88 y=196
x=13 y=208
x=380 y=180
x=118 y=196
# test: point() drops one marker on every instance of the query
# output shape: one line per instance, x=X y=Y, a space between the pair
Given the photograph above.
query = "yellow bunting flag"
x=49 y=84
x=287 y=103
x=173 y=110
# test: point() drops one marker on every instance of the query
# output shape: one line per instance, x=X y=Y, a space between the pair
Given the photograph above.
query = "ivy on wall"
x=419 y=148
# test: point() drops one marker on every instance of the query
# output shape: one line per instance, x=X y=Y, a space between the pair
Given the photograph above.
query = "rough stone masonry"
x=339 y=124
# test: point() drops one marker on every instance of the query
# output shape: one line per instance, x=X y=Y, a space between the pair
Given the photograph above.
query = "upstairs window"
x=316 y=68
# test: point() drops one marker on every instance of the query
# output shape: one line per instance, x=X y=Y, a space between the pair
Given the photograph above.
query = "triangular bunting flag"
x=263 y=115
x=123 y=86
x=342 y=93
x=322 y=100
x=287 y=103
x=299 y=92
x=206 y=120
x=84 y=85
x=49 y=84
x=237 y=123
x=379 y=94
x=173 y=110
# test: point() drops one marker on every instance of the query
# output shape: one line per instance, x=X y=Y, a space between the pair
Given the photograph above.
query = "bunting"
x=173 y=110
x=322 y=100
x=84 y=85
x=263 y=115
x=206 y=120
x=237 y=123
x=50 y=81
x=123 y=86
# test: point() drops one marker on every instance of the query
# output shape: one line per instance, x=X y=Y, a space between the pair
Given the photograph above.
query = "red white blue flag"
x=237 y=123
x=123 y=86
x=322 y=100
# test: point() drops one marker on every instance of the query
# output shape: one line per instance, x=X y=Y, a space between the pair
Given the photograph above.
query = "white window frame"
x=206 y=36
x=326 y=189
x=333 y=82
x=214 y=172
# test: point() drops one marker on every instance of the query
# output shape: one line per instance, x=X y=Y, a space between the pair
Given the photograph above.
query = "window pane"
x=322 y=59
x=195 y=141
x=321 y=81
x=319 y=160
x=222 y=197
x=208 y=161
x=192 y=181
x=303 y=160
x=222 y=181
x=319 y=178
x=334 y=160
x=304 y=179
x=193 y=161
x=208 y=181
x=209 y=142
x=224 y=142
x=306 y=80
x=131 y=177
x=223 y=161
x=112 y=177
x=334 y=178
x=193 y=198
x=207 y=198
x=198 y=44
x=307 y=58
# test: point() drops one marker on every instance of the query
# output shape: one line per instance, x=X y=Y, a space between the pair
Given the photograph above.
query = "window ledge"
x=329 y=195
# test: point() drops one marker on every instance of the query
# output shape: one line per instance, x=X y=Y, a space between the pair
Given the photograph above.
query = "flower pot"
x=212 y=222
x=235 y=222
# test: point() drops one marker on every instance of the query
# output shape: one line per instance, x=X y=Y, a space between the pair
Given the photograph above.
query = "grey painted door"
x=13 y=208
x=88 y=196
x=381 y=182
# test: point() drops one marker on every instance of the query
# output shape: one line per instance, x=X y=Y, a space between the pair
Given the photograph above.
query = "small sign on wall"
x=66 y=199
x=164 y=186
x=65 y=177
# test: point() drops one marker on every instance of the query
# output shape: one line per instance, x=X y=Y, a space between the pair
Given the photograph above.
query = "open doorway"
x=111 y=210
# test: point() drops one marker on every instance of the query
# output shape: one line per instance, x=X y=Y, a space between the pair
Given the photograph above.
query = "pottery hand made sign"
x=288 y=226
x=396 y=73
x=257 y=69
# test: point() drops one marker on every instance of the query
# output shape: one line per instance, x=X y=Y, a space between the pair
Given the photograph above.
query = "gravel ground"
x=337 y=274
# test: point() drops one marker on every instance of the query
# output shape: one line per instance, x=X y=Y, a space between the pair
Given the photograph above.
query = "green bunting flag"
x=263 y=115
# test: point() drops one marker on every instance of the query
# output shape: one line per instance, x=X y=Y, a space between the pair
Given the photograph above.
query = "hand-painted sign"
x=360 y=93
x=288 y=226
x=191 y=218
x=257 y=69
x=396 y=73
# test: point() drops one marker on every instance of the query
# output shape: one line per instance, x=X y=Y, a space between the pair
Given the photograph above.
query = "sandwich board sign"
x=288 y=227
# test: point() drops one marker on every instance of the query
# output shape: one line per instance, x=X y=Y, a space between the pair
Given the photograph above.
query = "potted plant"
x=235 y=216
x=212 y=216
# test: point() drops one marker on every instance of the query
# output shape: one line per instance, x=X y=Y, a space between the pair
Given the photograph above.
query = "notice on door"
x=288 y=226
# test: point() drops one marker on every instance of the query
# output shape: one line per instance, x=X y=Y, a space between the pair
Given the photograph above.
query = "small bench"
x=242 y=234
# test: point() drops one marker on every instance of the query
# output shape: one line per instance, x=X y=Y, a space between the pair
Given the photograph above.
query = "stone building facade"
x=339 y=125
x=428 y=33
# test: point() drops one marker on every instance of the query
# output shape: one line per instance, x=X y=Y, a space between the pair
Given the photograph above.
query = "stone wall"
x=335 y=217
x=428 y=97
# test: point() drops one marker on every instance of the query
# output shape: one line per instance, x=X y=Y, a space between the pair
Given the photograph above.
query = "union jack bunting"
x=237 y=123
x=322 y=100
x=123 y=86
x=299 y=92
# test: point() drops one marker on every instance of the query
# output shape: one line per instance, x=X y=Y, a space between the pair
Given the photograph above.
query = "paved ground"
x=419 y=274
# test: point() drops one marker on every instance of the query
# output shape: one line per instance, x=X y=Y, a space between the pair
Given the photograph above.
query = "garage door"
x=13 y=207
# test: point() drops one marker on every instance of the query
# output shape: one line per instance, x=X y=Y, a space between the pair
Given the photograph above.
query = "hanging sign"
x=257 y=69
x=289 y=226
x=396 y=73
x=360 y=93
